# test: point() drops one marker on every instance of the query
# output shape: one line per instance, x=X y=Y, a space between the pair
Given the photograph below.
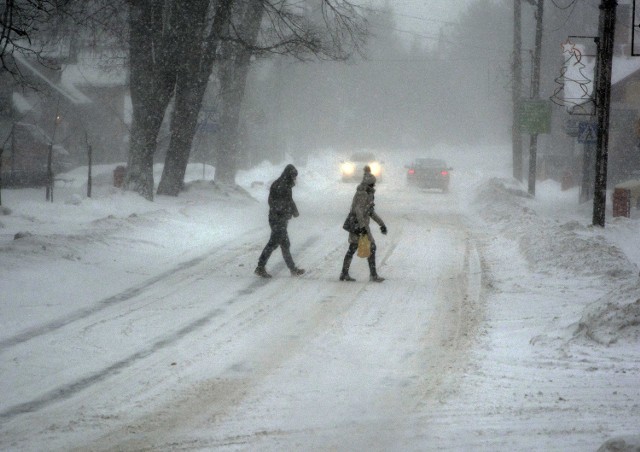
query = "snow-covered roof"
x=623 y=67
x=84 y=74
x=69 y=92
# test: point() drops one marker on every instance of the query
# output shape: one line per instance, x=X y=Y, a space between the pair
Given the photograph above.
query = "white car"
x=352 y=170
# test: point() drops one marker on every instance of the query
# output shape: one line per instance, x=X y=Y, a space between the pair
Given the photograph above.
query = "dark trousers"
x=279 y=238
x=349 y=256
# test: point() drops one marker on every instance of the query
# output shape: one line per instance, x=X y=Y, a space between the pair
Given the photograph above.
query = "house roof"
x=68 y=91
x=624 y=68
x=86 y=73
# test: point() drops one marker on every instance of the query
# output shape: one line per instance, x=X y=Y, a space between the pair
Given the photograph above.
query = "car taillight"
x=412 y=171
x=444 y=173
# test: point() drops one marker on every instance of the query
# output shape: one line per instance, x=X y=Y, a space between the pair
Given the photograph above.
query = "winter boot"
x=260 y=271
x=372 y=266
x=297 y=272
x=344 y=275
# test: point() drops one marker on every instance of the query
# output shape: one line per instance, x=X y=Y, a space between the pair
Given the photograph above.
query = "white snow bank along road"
x=541 y=382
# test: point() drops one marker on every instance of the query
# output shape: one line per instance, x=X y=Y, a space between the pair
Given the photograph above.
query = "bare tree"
x=334 y=32
x=154 y=27
x=233 y=71
x=42 y=30
x=20 y=20
x=187 y=66
x=198 y=47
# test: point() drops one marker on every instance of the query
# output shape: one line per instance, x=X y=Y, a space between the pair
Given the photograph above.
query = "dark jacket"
x=281 y=205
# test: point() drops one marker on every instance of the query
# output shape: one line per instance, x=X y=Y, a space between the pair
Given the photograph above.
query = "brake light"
x=412 y=171
x=444 y=173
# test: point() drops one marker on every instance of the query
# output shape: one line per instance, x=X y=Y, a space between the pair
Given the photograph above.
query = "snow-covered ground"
x=505 y=322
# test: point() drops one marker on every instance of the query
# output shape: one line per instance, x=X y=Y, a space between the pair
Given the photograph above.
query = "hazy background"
x=432 y=73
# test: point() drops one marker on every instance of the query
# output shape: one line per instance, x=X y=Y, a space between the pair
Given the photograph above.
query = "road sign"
x=535 y=116
x=587 y=132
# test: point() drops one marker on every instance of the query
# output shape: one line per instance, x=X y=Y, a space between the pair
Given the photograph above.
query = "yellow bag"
x=364 y=246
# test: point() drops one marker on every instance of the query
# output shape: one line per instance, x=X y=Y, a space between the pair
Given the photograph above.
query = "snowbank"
x=552 y=246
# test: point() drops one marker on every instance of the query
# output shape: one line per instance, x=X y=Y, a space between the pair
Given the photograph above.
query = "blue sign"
x=587 y=132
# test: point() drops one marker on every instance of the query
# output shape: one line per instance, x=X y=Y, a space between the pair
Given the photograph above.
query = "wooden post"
x=516 y=90
x=1 y=151
x=89 y=179
x=535 y=94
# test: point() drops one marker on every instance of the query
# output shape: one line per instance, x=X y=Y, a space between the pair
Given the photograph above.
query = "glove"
x=383 y=229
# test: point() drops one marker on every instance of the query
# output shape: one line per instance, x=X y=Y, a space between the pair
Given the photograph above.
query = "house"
x=624 y=134
x=570 y=152
x=25 y=157
x=70 y=104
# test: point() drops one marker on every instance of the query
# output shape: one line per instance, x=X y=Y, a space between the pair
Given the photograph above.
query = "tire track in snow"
x=109 y=301
x=230 y=386
x=69 y=389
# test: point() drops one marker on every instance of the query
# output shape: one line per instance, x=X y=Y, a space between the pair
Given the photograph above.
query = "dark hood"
x=367 y=180
x=289 y=175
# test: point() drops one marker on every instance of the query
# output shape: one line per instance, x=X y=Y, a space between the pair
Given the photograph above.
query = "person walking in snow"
x=281 y=209
x=363 y=207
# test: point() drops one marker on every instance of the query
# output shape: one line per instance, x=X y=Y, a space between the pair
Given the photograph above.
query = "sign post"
x=535 y=118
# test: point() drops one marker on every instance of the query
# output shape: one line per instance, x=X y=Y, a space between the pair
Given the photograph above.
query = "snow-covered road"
x=205 y=355
x=129 y=325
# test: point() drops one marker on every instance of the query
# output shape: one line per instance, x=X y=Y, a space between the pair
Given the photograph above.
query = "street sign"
x=535 y=116
x=587 y=132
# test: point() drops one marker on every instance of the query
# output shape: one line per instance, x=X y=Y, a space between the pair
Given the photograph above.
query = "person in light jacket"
x=363 y=206
x=281 y=209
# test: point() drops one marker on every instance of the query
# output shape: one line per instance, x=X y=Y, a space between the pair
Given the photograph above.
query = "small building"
x=624 y=139
x=25 y=156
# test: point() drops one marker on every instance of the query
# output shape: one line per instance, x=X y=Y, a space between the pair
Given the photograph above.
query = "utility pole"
x=516 y=90
x=50 y=181
x=535 y=94
x=606 y=32
x=1 y=151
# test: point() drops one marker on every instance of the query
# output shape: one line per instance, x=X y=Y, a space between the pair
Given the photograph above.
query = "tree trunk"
x=152 y=80
x=234 y=71
x=232 y=84
x=191 y=86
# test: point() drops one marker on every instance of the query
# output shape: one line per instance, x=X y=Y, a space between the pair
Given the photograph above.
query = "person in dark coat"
x=363 y=207
x=281 y=209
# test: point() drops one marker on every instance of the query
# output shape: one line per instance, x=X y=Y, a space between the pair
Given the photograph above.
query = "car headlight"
x=376 y=169
x=347 y=168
